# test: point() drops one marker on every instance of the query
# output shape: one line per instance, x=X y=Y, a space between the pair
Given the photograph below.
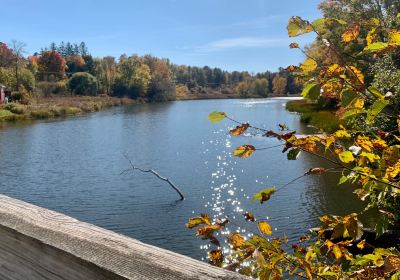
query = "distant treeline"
x=69 y=68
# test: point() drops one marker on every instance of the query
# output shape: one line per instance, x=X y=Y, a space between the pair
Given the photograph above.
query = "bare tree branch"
x=133 y=168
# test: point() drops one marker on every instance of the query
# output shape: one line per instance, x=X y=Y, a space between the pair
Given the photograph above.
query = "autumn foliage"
x=366 y=149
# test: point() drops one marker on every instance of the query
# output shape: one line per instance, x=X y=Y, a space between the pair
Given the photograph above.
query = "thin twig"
x=133 y=168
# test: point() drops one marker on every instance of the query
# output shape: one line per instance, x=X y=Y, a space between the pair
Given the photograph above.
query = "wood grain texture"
x=36 y=243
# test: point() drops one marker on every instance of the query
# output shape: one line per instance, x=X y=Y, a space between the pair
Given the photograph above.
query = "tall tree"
x=83 y=50
x=6 y=55
x=51 y=64
x=106 y=71
x=162 y=86
x=18 y=49
x=279 y=85
x=134 y=77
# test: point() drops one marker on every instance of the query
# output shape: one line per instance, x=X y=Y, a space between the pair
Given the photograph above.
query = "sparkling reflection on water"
x=74 y=165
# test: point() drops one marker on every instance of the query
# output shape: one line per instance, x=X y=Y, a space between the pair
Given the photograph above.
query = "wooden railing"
x=36 y=243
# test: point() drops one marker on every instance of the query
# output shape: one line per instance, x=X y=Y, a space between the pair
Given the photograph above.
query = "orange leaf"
x=240 y=129
x=236 y=240
x=351 y=33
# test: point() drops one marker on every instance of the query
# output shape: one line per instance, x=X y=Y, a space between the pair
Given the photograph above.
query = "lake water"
x=74 y=166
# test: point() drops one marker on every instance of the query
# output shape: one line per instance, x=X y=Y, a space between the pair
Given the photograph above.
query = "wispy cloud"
x=247 y=42
x=238 y=43
x=248 y=24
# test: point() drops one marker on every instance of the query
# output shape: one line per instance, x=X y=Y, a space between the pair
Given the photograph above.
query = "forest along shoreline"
x=40 y=108
x=65 y=79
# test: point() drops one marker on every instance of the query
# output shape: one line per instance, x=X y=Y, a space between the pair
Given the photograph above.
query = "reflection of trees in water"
x=324 y=195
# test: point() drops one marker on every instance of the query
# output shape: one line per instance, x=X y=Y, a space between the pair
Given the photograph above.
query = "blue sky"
x=230 y=34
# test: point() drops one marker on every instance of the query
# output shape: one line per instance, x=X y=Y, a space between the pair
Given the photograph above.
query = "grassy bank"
x=209 y=93
x=50 y=107
x=312 y=114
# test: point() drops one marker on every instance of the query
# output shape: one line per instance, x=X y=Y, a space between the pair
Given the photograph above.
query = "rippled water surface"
x=74 y=166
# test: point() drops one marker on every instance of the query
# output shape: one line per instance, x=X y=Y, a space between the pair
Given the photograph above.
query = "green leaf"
x=351 y=113
x=362 y=260
x=375 y=109
x=293 y=154
x=346 y=157
x=381 y=226
x=375 y=92
x=323 y=24
x=347 y=96
x=264 y=195
x=319 y=24
x=216 y=116
x=343 y=180
x=297 y=26
x=311 y=91
x=396 y=276
x=375 y=47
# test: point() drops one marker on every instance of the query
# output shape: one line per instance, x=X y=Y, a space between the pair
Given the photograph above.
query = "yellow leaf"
x=206 y=218
x=244 y=151
x=361 y=244
x=332 y=88
x=365 y=143
x=351 y=33
x=294 y=45
x=308 y=65
x=370 y=156
x=329 y=244
x=356 y=76
x=393 y=172
x=329 y=140
x=342 y=134
x=194 y=222
x=265 y=228
x=208 y=230
x=346 y=157
x=236 y=240
x=334 y=70
x=391 y=155
x=337 y=252
x=358 y=103
x=379 y=144
x=371 y=36
x=394 y=37
x=216 y=257
x=374 y=22
x=398 y=125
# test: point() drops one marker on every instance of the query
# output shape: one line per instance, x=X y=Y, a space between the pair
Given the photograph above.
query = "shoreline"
x=54 y=107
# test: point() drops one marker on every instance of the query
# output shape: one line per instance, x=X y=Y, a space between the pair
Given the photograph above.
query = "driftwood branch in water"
x=133 y=168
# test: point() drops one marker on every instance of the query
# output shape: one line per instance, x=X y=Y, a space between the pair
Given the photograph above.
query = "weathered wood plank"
x=36 y=243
